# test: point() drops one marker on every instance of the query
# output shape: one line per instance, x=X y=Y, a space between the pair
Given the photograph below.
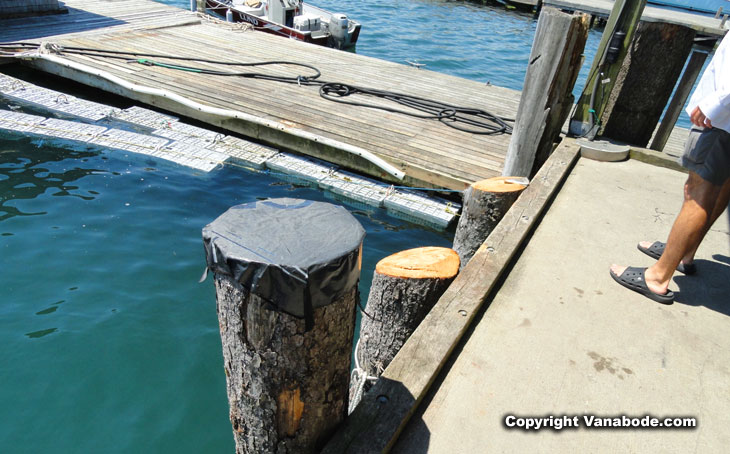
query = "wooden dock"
x=703 y=24
x=429 y=152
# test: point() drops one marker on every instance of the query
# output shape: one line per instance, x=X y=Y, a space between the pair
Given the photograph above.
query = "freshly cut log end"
x=499 y=185
x=486 y=202
x=420 y=263
x=405 y=287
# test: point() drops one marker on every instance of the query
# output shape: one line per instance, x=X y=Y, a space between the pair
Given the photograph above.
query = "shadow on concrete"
x=710 y=287
x=374 y=424
x=721 y=258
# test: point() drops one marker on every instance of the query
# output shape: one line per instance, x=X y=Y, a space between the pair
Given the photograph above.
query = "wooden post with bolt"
x=485 y=203
x=405 y=287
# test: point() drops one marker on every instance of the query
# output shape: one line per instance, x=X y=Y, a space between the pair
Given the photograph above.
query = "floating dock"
x=286 y=116
x=701 y=23
x=150 y=133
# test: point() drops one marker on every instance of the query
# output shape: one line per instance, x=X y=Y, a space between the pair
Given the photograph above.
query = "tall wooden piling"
x=645 y=81
x=405 y=287
x=612 y=50
x=286 y=275
x=691 y=72
x=557 y=52
x=485 y=203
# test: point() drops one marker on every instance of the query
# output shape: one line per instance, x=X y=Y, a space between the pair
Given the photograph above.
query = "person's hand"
x=699 y=119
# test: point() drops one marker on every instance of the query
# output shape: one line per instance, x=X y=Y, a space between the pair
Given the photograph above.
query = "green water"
x=108 y=343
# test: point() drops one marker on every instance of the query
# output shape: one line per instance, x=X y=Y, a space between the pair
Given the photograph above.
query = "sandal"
x=633 y=279
x=657 y=249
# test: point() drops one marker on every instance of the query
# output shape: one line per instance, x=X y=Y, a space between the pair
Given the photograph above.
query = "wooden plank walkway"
x=701 y=23
x=429 y=152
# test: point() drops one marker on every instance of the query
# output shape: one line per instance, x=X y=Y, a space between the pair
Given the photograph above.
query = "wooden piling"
x=286 y=275
x=405 y=287
x=636 y=103
x=623 y=19
x=555 y=60
x=691 y=72
x=485 y=203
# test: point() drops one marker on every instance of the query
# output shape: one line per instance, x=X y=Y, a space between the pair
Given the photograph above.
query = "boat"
x=700 y=6
x=292 y=18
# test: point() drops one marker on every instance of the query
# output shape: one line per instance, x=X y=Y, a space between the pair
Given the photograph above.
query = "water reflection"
x=26 y=176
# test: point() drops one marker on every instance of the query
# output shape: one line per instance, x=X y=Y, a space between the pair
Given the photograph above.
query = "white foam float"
x=354 y=188
x=298 y=169
x=145 y=117
x=418 y=208
x=250 y=154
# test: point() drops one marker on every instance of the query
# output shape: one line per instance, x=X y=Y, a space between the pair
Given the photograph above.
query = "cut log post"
x=645 y=81
x=485 y=203
x=546 y=100
x=286 y=275
x=691 y=72
x=405 y=287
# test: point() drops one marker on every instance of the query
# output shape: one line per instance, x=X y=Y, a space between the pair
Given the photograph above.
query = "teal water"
x=109 y=344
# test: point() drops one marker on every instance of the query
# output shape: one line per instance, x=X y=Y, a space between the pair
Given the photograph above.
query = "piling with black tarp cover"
x=286 y=275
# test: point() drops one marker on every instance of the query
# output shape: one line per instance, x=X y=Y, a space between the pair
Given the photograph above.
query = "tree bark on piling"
x=645 y=81
x=485 y=204
x=405 y=287
x=286 y=386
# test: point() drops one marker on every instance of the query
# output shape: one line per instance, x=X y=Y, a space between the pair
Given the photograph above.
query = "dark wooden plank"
x=377 y=421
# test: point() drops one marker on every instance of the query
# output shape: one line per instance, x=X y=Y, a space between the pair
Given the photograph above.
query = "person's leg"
x=687 y=231
x=723 y=199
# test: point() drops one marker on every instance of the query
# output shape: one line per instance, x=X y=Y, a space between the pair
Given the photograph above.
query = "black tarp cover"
x=295 y=254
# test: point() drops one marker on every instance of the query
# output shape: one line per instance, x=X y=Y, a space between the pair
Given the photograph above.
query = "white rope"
x=359 y=377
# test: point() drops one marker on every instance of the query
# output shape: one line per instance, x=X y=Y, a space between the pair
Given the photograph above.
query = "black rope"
x=467 y=119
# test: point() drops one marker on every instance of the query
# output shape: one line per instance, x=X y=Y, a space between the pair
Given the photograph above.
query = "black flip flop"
x=633 y=279
x=657 y=249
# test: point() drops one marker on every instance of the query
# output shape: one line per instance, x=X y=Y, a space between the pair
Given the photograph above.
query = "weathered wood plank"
x=546 y=96
x=377 y=421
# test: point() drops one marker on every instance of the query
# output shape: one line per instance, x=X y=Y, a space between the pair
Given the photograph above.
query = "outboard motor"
x=338 y=28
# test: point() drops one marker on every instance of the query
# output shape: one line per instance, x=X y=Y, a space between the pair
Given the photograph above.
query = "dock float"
x=285 y=116
x=702 y=24
x=157 y=135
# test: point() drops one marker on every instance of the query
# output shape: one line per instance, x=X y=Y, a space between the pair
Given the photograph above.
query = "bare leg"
x=720 y=206
x=700 y=197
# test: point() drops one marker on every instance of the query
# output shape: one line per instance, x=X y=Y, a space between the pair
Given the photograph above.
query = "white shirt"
x=713 y=91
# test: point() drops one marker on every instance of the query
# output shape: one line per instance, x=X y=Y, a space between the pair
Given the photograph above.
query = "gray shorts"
x=707 y=153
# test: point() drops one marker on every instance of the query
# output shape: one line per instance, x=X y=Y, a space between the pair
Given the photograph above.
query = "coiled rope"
x=467 y=119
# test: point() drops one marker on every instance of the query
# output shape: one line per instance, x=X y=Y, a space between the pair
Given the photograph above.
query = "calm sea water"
x=108 y=344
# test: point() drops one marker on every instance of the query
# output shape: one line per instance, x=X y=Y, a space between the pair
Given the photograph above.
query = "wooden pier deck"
x=703 y=24
x=429 y=152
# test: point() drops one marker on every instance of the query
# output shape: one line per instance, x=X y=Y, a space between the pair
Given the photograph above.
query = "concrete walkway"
x=561 y=338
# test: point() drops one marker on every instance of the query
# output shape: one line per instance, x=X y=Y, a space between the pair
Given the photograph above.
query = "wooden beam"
x=691 y=72
x=546 y=98
x=624 y=18
x=377 y=421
